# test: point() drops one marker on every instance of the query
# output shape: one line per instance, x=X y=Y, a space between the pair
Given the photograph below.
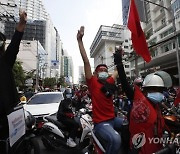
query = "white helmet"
x=158 y=79
x=138 y=81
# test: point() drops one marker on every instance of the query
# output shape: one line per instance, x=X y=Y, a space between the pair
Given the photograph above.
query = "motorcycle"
x=55 y=134
x=172 y=120
x=27 y=144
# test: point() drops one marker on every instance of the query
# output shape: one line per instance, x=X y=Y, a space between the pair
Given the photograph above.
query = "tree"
x=50 y=82
x=61 y=81
x=19 y=74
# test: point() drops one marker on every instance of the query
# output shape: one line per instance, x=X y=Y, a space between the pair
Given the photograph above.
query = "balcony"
x=159 y=60
x=105 y=33
x=160 y=27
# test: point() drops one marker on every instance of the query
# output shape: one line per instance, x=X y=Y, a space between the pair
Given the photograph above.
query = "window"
x=161 y=10
x=126 y=66
x=163 y=21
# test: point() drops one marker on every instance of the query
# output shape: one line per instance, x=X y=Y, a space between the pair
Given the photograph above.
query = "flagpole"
x=175 y=33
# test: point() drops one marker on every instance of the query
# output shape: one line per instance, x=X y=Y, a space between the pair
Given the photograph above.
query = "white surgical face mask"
x=103 y=75
x=68 y=95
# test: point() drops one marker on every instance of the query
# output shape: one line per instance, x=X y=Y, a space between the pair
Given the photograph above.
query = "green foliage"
x=49 y=82
x=61 y=81
x=19 y=74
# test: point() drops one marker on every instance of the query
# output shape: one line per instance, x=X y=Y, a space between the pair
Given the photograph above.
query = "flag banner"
x=137 y=35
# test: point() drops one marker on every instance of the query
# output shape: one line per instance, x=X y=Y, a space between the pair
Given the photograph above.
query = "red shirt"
x=102 y=106
x=177 y=99
x=143 y=119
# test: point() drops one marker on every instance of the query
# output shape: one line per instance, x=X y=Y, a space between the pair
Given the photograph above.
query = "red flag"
x=137 y=35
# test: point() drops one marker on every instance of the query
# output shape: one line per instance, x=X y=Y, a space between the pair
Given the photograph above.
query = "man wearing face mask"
x=66 y=116
x=8 y=93
x=146 y=120
x=100 y=86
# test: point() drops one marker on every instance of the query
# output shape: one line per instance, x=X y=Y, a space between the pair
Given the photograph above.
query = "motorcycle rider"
x=80 y=97
x=146 y=121
x=66 y=116
x=101 y=88
x=8 y=93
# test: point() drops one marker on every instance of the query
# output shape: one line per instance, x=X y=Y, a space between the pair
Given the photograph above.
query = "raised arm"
x=22 y=21
x=115 y=74
x=13 y=48
x=122 y=75
x=87 y=67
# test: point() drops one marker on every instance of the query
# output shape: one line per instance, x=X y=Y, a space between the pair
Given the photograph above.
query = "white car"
x=43 y=103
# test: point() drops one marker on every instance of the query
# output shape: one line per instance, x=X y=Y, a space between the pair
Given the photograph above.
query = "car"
x=43 y=103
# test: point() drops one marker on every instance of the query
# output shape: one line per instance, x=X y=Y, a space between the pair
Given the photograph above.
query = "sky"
x=68 y=15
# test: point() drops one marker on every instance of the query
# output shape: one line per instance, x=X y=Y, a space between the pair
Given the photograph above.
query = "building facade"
x=39 y=27
x=163 y=34
x=67 y=68
x=104 y=43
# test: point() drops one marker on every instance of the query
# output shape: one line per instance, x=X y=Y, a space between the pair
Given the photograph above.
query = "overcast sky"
x=68 y=15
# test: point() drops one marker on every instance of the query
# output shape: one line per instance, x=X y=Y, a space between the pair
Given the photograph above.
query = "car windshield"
x=45 y=99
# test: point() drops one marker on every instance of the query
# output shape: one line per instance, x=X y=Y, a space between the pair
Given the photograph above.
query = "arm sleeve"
x=13 y=48
x=125 y=85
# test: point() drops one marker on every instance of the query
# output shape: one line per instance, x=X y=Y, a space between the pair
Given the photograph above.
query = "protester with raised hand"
x=8 y=93
x=101 y=87
x=146 y=121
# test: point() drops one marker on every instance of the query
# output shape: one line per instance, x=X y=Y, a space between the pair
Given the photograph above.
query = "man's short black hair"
x=100 y=66
x=2 y=37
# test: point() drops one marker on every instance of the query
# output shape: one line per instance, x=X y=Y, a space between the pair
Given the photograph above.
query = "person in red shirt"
x=146 y=121
x=101 y=88
x=177 y=98
x=80 y=97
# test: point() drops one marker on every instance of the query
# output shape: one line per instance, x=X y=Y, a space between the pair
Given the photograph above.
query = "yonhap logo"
x=138 y=140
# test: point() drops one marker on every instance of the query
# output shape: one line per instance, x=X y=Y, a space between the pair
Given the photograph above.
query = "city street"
x=45 y=151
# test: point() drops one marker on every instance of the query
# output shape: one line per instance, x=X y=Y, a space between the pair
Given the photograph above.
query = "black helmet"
x=68 y=93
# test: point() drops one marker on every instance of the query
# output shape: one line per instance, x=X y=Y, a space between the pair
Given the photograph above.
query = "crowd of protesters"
x=140 y=99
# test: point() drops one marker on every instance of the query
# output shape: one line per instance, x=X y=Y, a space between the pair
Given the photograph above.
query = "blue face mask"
x=156 y=97
x=103 y=75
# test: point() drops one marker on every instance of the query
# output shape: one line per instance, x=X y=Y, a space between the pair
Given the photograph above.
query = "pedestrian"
x=29 y=93
x=8 y=93
x=66 y=115
x=101 y=87
x=146 y=121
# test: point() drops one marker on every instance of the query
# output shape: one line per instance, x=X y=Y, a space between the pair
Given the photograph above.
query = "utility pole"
x=37 y=70
x=175 y=34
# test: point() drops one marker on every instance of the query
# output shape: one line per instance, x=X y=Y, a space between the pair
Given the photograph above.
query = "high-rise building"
x=67 y=68
x=39 y=27
x=160 y=33
x=103 y=45
x=82 y=79
x=140 y=4
x=125 y=11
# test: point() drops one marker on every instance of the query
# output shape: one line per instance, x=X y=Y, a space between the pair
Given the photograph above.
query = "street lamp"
x=175 y=34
